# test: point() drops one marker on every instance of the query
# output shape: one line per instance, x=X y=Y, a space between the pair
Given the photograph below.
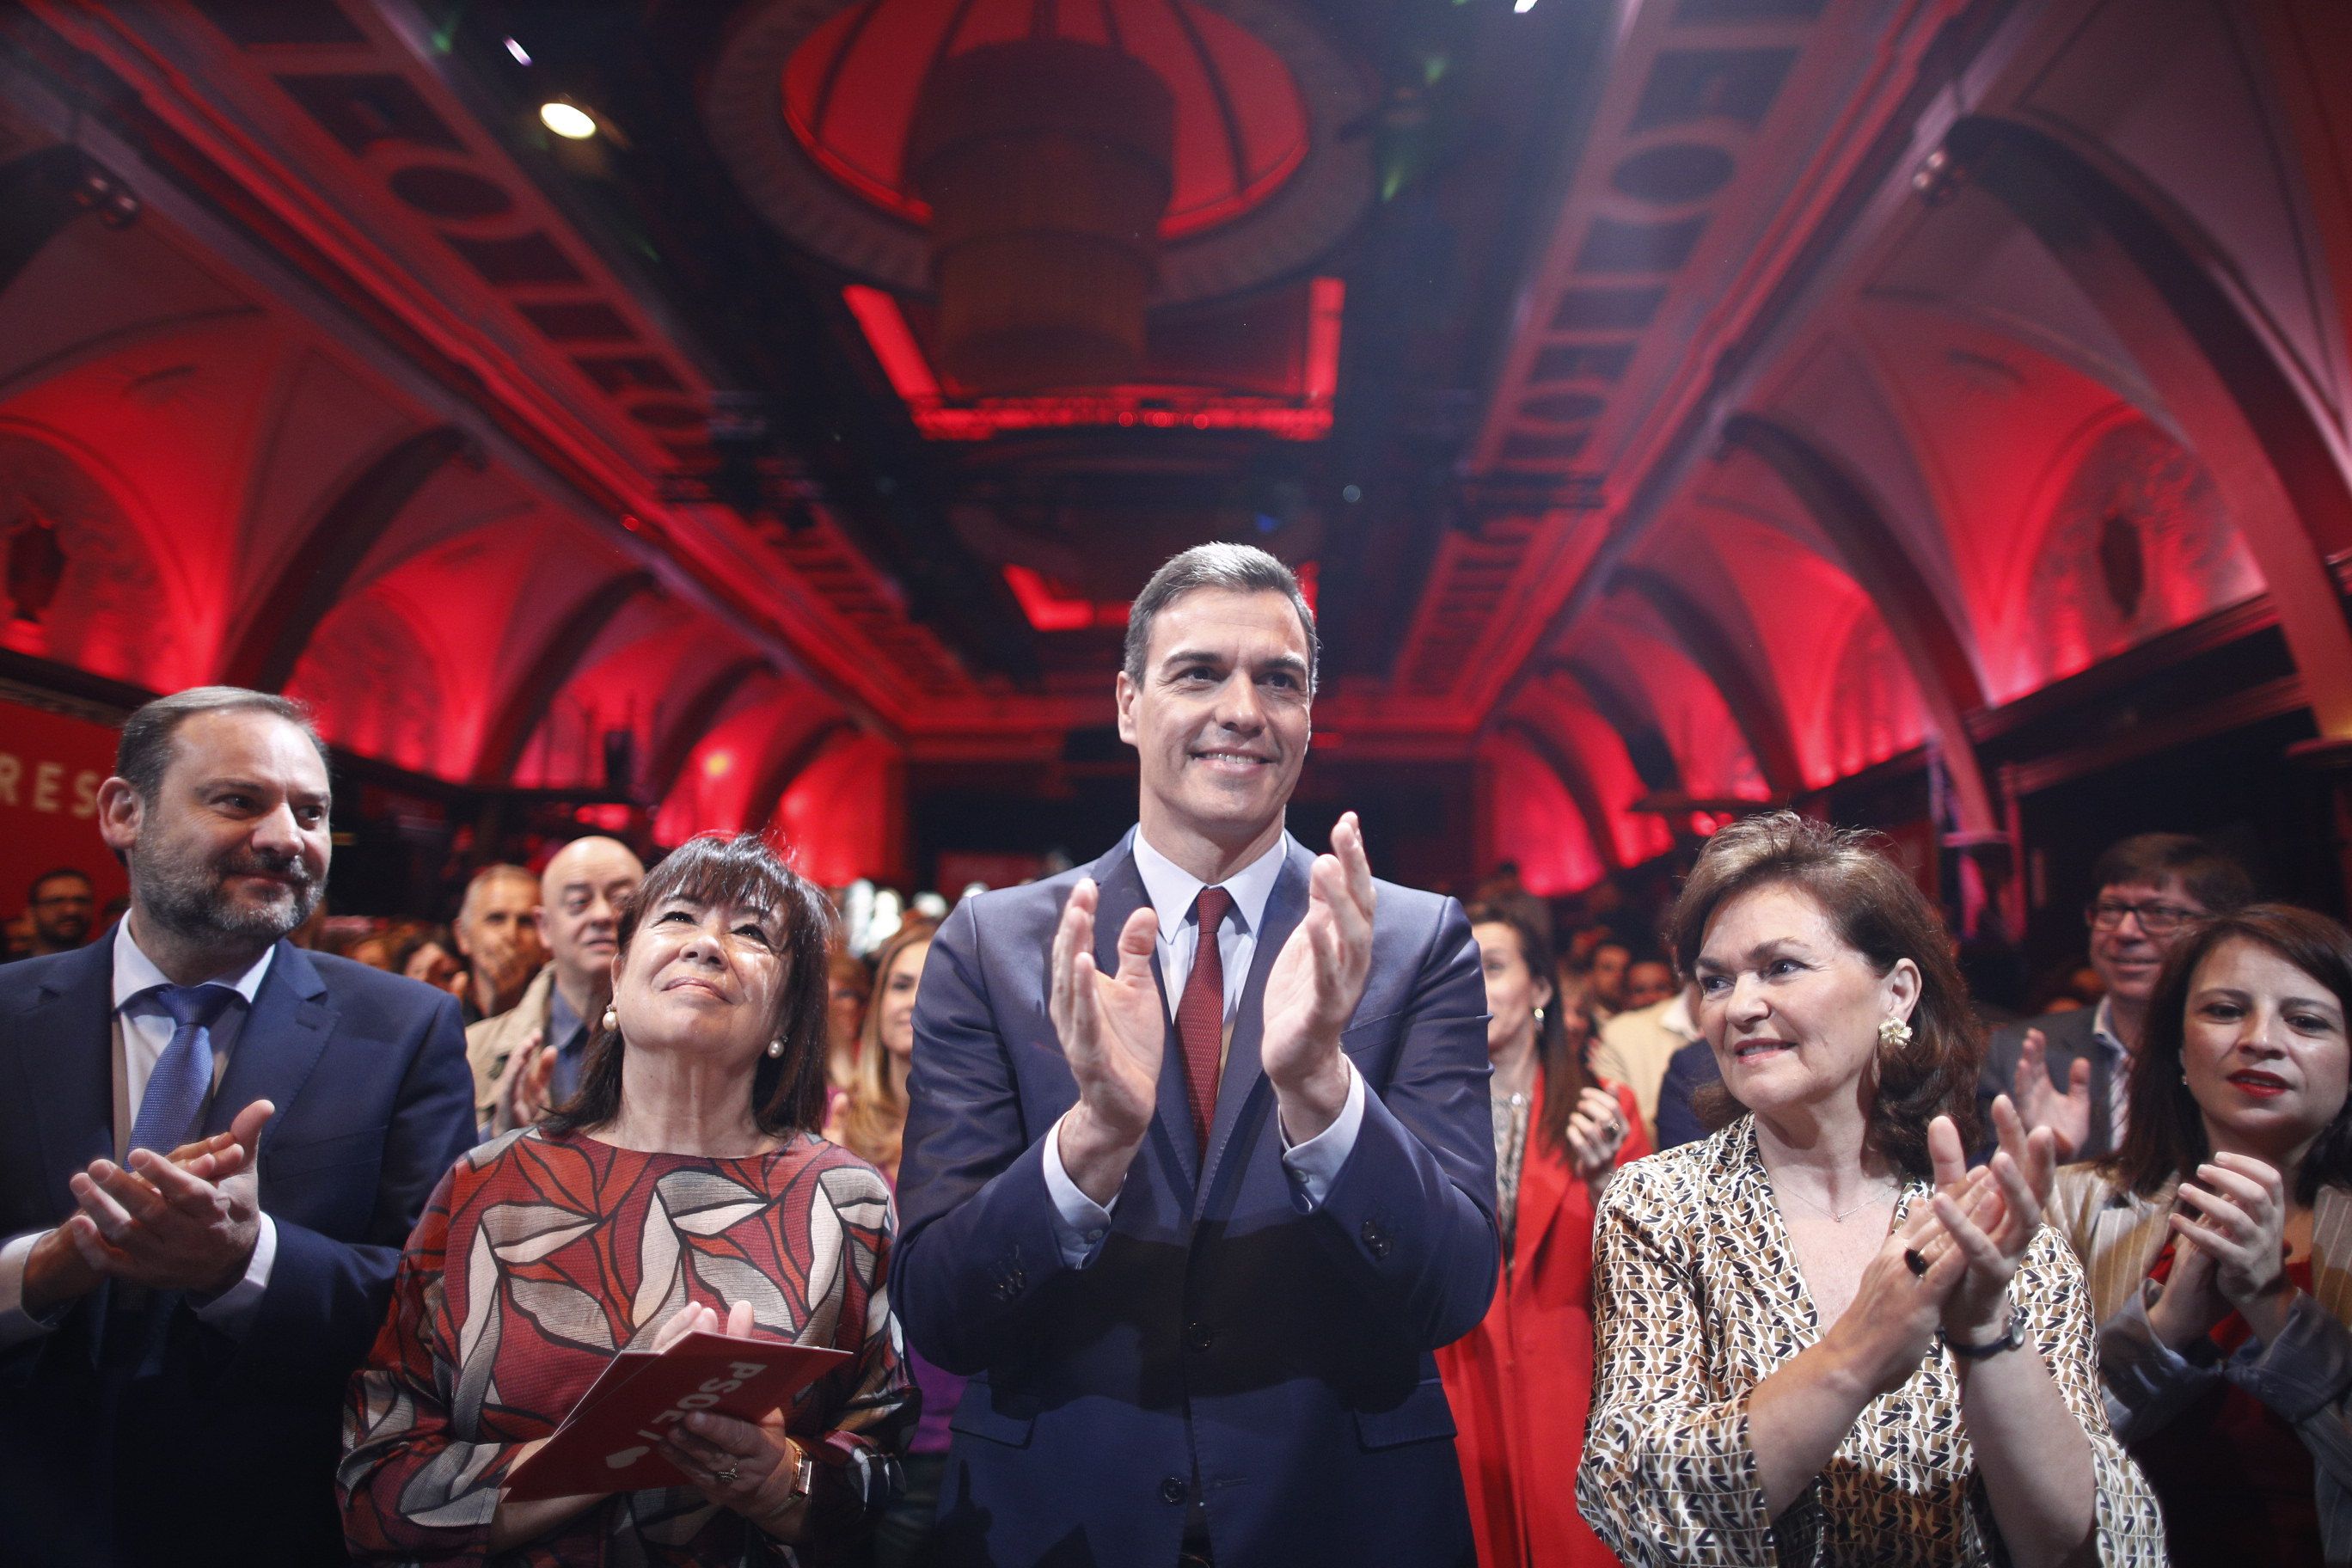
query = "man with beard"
x=528 y=1060
x=214 y=1146
x=62 y=904
x=1200 y=1168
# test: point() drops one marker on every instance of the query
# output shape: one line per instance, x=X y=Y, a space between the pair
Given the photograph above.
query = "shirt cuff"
x=232 y=1311
x=17 y=1325
x=1314 y=1165
x=1079 y=1222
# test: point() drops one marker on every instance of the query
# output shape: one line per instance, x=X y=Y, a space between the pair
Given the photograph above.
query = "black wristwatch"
x=2011 y=1338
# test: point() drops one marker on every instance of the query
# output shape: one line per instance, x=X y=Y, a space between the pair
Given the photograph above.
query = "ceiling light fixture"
x=567 y=120
x=1523 y=6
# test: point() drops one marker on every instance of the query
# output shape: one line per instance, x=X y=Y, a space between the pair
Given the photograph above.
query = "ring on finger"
x=1917 y=1261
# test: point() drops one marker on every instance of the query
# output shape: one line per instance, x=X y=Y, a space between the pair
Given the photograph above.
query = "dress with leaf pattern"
x=540 y=1257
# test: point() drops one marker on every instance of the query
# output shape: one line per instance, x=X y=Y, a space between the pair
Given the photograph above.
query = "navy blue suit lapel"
x=1244 y=1078
x=1122 y=893
x=280 y=1042
x=65 y=1047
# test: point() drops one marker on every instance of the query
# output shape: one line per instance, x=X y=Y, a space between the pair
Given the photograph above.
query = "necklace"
x=1839 y=1216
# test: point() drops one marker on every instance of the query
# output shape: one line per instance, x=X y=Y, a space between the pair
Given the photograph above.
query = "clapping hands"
x=1950 y=1264
x=2229 y=1253
x=1113 y=1031
x=186 y=1221
x=1317 y=981
x=2041 y=1104
x=1990 y=1215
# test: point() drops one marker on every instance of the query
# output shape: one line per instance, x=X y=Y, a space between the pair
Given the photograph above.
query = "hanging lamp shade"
x=1046 y=163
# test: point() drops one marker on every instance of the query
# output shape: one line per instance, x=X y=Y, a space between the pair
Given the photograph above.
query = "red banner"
x=50 y=768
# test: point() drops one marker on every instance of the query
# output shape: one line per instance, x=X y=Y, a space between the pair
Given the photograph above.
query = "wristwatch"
x=2011 y=1338
x=803 y=1473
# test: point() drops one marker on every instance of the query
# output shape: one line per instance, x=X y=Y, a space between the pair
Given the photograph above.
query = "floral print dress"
x=1697 y=1299
x=539 y=1258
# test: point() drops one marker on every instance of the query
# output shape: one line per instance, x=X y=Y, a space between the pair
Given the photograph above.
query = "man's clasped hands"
x=186 y=1221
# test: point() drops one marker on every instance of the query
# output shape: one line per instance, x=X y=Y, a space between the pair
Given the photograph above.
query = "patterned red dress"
x=540 y=1257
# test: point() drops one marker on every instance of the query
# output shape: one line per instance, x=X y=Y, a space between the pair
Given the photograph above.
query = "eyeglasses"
x=2156 y=919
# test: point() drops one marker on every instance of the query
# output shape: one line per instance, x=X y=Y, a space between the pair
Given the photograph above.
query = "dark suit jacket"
x=2067 y=1035
x=1220 y=1338
x=1689 y=1070
x=164 y=1440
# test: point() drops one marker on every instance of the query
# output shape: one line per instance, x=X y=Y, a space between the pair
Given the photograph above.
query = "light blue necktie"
x=184 y=1073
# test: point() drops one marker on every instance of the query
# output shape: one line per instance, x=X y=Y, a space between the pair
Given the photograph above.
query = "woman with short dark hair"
x=682 y=1187
x=1821 y=1339
x=2218 y=1241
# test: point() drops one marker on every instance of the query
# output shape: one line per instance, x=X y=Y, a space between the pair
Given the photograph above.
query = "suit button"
x=1199 y=1336
x=1376 y=1240
x=1172 y=1489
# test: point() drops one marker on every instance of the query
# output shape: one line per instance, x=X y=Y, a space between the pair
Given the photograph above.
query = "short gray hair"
x=1238 y=568
x=490 y=877
x=144 y=753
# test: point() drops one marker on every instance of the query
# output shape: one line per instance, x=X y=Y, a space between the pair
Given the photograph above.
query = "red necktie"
x=1200 y=1012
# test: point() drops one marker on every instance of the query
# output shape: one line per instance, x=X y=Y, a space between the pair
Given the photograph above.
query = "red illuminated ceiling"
x=849 y=93
x=1194 y=384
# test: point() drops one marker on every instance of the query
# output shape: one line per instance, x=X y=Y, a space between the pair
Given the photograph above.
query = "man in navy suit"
x=211 y=1147
x=1199 y=1165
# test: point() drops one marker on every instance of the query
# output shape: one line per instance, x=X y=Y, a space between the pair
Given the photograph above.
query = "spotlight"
x=101 y=192
x=1523 y=6
x=521 y=56
x=567 y=120
x=1938 y=180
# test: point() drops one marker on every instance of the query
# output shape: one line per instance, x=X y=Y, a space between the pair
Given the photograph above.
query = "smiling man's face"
x=1221 y=721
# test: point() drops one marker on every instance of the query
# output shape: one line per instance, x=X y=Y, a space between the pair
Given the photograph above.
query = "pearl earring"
x=775 y=1047
x=1539 y=1015
x=612 y=1019
x=1894 y=1034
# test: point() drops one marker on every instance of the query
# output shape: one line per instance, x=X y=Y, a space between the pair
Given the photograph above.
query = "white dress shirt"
x=142 y=1031
x=1080 y=1221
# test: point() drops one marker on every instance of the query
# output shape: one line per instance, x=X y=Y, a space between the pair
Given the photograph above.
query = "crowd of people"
x=1215 y=1203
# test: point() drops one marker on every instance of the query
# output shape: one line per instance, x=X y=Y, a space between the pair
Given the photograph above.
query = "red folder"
x=608 y=1442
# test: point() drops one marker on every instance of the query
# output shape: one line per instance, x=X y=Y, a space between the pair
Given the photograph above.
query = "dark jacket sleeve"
x=1689 y=1070
x=1412 y=1214
x=976 y=1240
x=327 y=1296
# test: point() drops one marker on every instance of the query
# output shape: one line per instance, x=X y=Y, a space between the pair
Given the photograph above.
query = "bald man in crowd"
x=501 y=941
x=529 y=1058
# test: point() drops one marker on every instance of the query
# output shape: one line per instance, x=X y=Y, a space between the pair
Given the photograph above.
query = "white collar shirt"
x=1171 y=890
x=146 y=1027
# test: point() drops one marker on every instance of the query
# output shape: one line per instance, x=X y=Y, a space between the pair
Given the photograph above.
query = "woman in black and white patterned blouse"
x=1821 y=1339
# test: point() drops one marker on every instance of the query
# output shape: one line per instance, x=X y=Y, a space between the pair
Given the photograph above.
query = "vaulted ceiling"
x=1673 y=401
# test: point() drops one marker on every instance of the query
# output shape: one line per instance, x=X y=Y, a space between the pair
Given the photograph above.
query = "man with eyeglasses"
x=2068 y=1071
x=63 y=905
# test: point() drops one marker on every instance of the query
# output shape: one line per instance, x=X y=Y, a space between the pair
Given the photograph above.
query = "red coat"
x=1521 y=1382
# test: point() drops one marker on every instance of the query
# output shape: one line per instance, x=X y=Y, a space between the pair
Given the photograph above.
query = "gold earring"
x=1894 y=1034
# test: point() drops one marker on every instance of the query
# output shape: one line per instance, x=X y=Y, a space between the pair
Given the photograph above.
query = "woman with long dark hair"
x=682 y=1187
x=2218 y=1240
x=1520 y=1383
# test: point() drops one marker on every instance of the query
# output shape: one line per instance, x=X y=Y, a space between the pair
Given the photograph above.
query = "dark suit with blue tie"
x=136 y=1432
x=1228 y=1360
